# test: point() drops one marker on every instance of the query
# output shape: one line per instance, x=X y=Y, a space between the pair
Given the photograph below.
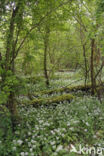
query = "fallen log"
x=64 y=89
x=36 y=102
x=68 y=89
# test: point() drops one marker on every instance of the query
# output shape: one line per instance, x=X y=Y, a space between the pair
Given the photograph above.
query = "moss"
x=49 y=92
x=65 y=89
x=37 y=101
x=79 y=87
x=62 y=98
x=46 y=101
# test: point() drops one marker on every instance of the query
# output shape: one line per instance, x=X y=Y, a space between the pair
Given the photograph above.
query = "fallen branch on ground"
x=64 y=89
x=52 y=100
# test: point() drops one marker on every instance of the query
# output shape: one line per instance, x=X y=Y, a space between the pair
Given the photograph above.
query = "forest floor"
x=57 y=131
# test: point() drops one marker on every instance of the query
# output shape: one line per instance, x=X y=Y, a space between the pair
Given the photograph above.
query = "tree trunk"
x=12 y=109
x=10 y=55
x=84 y=53
x=10 y=38
x=46 y=41
x=85 y=62
x=93 y=84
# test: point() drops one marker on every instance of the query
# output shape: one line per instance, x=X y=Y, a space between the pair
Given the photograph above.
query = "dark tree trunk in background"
x=46 y=42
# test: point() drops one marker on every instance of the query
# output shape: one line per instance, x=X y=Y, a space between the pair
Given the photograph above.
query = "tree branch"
x=37 y=25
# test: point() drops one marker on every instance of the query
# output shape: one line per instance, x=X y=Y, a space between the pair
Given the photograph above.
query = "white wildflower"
x=59 y=148
x=31 y=149
x=19 y=142
x=52 y=143
x=52 y=132
x=26 y=153
x=85 y=130
x=34 y=146
x=54 y=147
x=33 y=136
x=63 y=135
x=94 y=136
x=29 y=133
x=33 y=141
x=87 y=123
x=14 y=148
x=57 y=138
x=71 y=128
x=16 y=132
x=22 y=154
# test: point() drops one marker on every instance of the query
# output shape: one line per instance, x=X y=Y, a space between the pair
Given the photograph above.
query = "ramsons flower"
x=59 y=148
x=22 y=153
x=19 y=142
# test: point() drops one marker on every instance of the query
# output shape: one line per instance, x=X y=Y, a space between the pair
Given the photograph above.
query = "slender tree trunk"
x=45 y=67
x=46 y=41
x=85 y=63
x=93 y=84
x=84 y=54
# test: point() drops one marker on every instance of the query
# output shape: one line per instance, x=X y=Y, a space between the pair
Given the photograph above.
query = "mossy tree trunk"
x=10 y=55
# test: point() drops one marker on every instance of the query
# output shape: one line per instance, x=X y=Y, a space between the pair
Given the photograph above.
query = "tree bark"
x=10 y=55
x=85 y=63
x=93 y=84
x=10 y=38
x=46 y=42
